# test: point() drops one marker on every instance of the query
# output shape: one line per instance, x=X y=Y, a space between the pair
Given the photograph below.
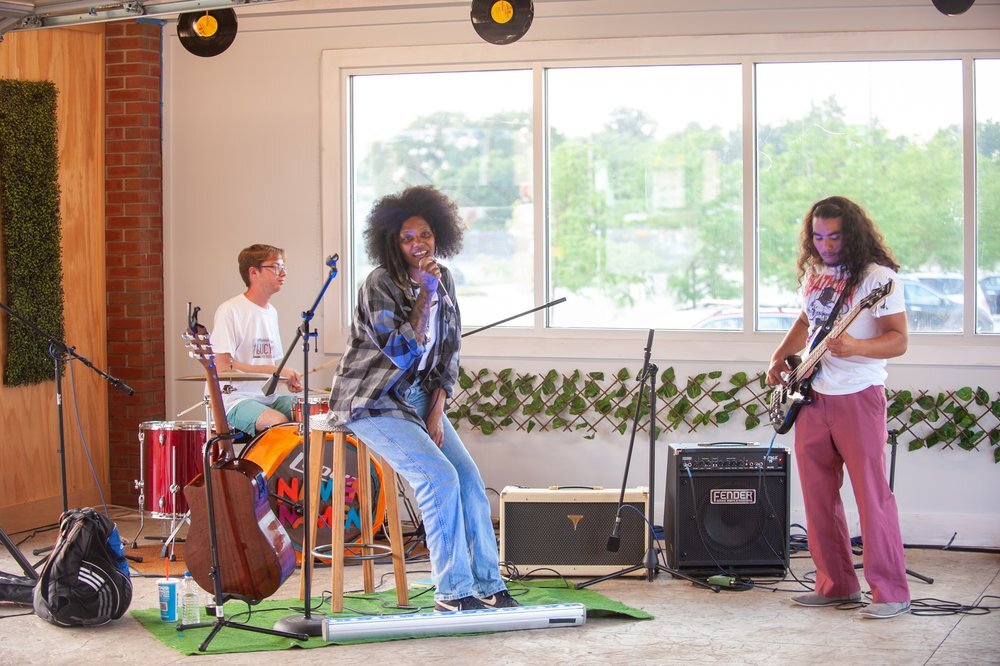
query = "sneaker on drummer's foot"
x=815 y=599
x=463 y=604
x=884 y=611
x=501 y=599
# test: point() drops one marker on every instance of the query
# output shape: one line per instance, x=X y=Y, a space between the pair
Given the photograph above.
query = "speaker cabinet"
x=565 y=530
x=726 y=509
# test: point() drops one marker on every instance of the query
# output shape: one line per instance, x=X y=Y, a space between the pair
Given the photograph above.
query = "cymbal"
x=232 y=376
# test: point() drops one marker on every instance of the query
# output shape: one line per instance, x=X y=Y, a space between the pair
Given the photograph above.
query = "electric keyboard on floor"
x=459 y=622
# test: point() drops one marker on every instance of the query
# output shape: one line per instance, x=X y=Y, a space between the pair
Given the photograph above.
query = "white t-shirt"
x=843 y=376
x=249 y=333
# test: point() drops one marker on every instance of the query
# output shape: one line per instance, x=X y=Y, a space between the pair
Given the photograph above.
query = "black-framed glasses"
x=278 y=268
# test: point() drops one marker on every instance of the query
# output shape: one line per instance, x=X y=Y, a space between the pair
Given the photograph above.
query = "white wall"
x=244 y=162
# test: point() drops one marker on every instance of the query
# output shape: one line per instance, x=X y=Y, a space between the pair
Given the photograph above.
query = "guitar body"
x=796 y=392
x=256 y=554
x=788 y=399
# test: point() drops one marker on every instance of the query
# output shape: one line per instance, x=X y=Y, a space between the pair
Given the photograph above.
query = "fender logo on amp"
x=575 y=519
x=733 y=496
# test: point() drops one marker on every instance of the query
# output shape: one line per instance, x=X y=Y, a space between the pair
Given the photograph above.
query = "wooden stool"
x=320 y=432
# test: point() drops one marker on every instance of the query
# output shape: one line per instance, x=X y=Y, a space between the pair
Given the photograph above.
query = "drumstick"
x=323 y=366
x=192 y=407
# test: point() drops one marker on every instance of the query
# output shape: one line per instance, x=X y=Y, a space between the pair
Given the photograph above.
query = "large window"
x=988 y=187
x=645 y=192
x=468 y=134
x=642 y=173
x=887 y=135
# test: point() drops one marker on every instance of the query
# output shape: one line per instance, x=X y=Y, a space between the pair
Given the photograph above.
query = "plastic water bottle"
x=190 y=601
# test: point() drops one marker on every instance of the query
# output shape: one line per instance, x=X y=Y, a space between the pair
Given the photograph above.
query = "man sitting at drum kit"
x=245 y=338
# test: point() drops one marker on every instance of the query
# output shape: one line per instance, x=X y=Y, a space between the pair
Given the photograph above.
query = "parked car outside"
x=952 y=287
x=731 y=319
x=990 y=284
x=927 y=311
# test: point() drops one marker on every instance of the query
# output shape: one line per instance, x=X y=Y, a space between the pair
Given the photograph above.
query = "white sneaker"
x=886 y=610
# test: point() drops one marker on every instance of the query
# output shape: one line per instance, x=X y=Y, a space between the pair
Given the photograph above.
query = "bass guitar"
x=795 y=392
x=254 y=552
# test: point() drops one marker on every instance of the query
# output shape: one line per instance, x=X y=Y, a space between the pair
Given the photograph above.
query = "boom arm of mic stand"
x=613 y=540
x=502 y=321
x=272 y=383
x=58 y=349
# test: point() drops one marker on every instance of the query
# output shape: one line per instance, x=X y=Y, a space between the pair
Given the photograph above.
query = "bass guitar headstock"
x=197 y=340
x=200 y=349
x=876 y=296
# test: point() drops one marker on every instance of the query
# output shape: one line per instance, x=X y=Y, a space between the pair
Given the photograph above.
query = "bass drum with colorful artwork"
x=278 y=451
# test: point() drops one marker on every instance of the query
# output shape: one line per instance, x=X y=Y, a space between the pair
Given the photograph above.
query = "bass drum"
x=278 y=451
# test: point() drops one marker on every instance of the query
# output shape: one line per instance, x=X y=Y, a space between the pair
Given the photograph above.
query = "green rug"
x=266 y=613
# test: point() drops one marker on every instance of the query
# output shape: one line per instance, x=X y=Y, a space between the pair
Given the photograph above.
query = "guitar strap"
x=831 y=320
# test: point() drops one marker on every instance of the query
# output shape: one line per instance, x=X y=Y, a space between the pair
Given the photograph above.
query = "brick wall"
x=134 y=242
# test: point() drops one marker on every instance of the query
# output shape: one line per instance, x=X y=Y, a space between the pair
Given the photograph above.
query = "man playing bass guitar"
x=841 y=251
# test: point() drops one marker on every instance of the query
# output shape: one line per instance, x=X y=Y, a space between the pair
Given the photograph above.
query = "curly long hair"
x=863 y=243
x=387 y=216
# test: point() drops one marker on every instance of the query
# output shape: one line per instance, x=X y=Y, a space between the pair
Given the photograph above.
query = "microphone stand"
x=59 y=351
x=651 y=561
x=305 y=623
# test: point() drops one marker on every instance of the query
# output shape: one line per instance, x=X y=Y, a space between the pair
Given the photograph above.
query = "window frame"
x=539 y=342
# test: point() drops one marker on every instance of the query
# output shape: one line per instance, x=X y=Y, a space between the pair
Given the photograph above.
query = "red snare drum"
x=278 y=451
x=317 y=405
x=170 y=454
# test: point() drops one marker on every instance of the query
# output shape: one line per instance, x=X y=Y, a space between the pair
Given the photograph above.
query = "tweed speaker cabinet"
x=566 y=530
x=726 y=509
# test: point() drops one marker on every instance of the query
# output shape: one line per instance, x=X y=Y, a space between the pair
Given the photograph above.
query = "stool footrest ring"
x=323 y=552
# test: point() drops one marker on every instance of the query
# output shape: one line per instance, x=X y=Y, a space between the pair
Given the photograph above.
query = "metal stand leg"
x=892 y=483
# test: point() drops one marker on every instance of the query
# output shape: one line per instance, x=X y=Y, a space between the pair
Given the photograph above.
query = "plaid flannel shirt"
x=383 y=353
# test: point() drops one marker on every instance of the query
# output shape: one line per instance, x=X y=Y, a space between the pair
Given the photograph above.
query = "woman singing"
x=391 y=385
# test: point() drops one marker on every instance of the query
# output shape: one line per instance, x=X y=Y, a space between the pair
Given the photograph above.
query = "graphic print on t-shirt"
x=263 y=348
x=827 y=288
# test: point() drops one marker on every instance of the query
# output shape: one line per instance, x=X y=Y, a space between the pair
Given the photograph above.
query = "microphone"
x=332 y=260
x=444 y=295
x=613 y=541
x=123 y=387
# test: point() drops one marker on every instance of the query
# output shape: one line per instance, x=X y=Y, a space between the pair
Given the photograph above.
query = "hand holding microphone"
x=431 y=278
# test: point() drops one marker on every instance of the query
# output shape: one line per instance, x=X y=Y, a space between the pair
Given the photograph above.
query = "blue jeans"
x=451 y=497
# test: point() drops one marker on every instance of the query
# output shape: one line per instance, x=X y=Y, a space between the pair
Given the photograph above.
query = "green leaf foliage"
x=32 y=227
x=959 y=419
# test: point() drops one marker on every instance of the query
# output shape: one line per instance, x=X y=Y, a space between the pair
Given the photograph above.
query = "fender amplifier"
x=564 y=531
x=726 y=509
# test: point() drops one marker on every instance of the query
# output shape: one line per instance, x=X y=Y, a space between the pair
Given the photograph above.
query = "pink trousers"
x=839 y=430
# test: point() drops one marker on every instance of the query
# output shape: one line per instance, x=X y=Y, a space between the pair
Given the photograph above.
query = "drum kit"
x=170 y=457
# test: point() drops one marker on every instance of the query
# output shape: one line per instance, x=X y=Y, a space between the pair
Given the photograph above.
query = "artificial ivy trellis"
x=966 y=417
x=29 y=215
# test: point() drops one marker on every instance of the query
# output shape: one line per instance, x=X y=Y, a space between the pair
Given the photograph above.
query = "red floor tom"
x=171 y=455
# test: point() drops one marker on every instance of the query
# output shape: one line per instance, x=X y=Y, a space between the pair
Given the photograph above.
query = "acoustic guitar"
x=255 y=553
x=795 y=392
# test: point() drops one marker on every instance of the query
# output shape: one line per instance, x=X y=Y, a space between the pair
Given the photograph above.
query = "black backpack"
x=85 y=580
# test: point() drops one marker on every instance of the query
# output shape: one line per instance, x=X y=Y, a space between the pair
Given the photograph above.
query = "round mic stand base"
x=301 y=624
